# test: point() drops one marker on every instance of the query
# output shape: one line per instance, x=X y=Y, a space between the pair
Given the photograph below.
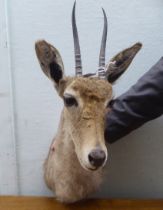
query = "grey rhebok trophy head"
x=85 y=97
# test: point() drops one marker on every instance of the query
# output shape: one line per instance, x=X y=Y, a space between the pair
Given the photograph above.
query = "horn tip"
x=74 y=7
x=103 y=11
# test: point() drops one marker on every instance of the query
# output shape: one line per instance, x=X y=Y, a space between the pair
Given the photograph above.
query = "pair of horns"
x=78 y=62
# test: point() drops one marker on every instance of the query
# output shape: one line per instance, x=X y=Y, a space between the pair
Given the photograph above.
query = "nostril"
x=97 y=157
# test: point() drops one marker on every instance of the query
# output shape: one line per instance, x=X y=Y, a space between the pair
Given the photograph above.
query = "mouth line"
x=86 y=167
x=92 y=169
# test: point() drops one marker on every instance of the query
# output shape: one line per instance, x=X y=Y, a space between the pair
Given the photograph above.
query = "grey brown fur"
x=67 y=170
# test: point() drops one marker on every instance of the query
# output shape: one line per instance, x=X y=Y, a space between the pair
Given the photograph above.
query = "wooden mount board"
x=45 y=203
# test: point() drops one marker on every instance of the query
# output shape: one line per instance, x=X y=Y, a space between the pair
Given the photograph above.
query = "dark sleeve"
x=141 y=103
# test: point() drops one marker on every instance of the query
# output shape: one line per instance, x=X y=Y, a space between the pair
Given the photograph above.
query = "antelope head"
x=85 y=97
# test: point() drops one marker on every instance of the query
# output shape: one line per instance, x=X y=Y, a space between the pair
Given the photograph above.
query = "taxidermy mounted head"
x=78 y=153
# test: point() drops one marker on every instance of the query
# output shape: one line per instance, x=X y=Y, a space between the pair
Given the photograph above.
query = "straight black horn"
x=101 y=69
x=78 y=62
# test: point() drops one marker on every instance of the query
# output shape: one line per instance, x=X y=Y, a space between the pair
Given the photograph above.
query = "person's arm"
x=141 y=103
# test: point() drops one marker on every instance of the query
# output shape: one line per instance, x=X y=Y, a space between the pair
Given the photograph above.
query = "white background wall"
x=30 y=108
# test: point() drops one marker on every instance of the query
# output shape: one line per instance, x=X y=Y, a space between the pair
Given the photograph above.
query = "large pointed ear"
x=50 y=61
x=119 y=63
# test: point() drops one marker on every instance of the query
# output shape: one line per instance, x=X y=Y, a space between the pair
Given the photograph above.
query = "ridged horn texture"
x=78 y=62
x=101 y=69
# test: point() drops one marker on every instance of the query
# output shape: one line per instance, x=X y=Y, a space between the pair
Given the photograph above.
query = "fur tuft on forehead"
x=93 y=88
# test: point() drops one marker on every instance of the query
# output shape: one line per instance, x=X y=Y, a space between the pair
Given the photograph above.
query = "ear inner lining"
x=55 y=71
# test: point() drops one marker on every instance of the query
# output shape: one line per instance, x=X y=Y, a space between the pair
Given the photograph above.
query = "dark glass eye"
x=70 y=101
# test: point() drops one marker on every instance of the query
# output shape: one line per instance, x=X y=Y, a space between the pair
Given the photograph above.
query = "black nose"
x=97 y=157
